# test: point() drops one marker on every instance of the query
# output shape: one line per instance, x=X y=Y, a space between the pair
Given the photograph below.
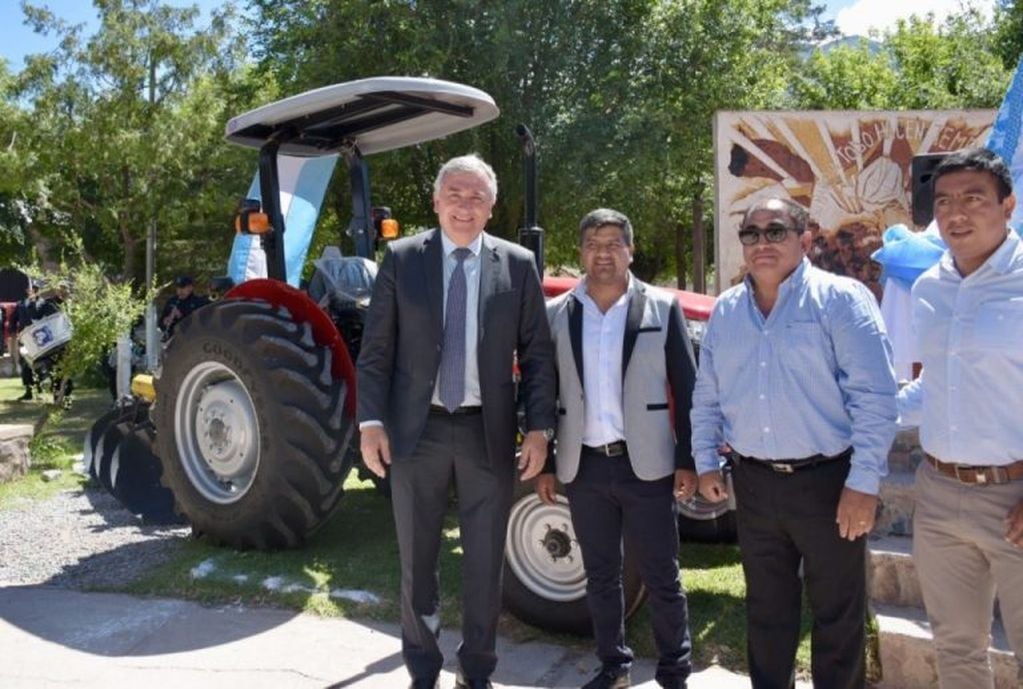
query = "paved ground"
x=53 y=637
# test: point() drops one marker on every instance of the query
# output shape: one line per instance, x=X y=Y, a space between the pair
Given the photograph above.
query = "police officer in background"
x=184 y=302
x=28 y=310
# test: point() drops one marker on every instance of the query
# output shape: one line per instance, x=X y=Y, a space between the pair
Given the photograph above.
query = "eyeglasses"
x=775 y=233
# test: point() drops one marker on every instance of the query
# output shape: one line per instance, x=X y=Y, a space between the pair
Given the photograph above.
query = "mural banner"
x=849 y=169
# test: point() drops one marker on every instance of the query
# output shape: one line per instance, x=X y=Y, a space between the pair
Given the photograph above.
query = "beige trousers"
x=963 y=561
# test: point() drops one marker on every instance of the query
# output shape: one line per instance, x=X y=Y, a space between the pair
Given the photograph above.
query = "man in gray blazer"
x=625 y=381
x=452 y=310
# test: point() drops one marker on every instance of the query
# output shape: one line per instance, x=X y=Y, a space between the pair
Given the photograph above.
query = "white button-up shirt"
x=970 y=334
x=603 y=340
x=471 y=265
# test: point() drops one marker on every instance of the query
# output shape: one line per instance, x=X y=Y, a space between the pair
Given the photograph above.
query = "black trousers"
x=608 y=502
x=451 y=445
x=785 y=520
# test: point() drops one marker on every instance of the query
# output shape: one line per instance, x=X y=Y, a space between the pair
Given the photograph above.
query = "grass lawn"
x=357 y=550
x=356 y=553
x=57 y=445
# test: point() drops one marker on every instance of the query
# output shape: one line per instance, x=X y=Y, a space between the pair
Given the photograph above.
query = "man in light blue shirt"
x=796 y=380
x=968 y=521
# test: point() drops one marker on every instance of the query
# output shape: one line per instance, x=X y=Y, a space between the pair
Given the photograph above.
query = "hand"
x=376 y=449
x=712 y=486
x=533 y=455
x=546 y=488
x=1014 y=521
x=855 y=516
x=685 y=484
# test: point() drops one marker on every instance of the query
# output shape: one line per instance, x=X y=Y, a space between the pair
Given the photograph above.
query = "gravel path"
x=80 y=539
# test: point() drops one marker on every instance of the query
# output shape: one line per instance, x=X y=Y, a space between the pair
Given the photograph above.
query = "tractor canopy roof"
x=375 y=115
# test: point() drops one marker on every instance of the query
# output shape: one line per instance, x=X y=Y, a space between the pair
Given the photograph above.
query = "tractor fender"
x=305 y=310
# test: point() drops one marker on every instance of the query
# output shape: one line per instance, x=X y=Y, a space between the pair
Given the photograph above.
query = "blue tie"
x=452 y=357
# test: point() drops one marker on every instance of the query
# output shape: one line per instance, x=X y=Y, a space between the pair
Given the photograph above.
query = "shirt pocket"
x=805 y=341
x=998 y=325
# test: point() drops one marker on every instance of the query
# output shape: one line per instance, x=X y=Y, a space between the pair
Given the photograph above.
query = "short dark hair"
x=605 y=216
x=797 y=214
x=980 y=160
x=183 y=281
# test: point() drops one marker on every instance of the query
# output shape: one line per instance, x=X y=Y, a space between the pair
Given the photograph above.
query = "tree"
x=126 y=128
x=1008 y=37
x=620 y=94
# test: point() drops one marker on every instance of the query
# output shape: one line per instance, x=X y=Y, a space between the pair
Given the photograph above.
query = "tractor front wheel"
x=544 y=576
x=251 y=426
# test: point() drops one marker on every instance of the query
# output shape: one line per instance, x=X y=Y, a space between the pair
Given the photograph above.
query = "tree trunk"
x=699 y=245
x=680 y=256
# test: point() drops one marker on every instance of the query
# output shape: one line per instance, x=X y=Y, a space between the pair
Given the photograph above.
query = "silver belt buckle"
x=782 y=467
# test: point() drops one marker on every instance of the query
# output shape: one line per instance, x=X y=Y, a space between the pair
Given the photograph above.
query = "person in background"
x=968 y=520
x=184 y=302
x=796 y=379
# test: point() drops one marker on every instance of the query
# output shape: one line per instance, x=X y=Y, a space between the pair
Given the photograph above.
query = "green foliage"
x=620 y=94
x=99 y=310
x=126 y=130
x=920 y=65
x=1008 y=37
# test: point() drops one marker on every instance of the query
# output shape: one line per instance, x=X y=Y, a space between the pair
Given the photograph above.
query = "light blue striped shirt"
x=815 y=376
x=970 y=329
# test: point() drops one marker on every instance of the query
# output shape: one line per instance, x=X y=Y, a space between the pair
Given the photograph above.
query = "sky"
x=853 y=17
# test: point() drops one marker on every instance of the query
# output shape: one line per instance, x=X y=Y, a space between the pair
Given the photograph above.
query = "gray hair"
x=797 y=214
x=471 y=163
x=602 y=217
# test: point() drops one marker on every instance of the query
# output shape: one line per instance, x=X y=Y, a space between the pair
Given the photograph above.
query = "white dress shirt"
x=472 y=308
x=970 y=334
x=603 y=340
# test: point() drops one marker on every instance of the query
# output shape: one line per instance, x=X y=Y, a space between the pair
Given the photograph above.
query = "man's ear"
x=1009 y=205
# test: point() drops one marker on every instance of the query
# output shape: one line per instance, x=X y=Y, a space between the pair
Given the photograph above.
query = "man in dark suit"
x=452 y=310
x=625 y=381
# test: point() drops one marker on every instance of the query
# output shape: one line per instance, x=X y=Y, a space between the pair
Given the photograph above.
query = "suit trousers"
x=451 y=445
x=785 y=520
x=963 y=561
x=608 y=501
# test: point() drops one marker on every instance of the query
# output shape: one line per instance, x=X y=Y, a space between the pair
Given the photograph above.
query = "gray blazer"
x=404 y=329
x=658 y=372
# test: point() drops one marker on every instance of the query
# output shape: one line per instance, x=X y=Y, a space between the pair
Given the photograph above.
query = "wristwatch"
x=548 y=434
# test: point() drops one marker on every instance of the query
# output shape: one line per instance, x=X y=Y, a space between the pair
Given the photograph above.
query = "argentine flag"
x=1006 y=140
x=303 y=184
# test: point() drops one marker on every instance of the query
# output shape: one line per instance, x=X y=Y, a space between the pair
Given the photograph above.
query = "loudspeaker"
x=922 y=192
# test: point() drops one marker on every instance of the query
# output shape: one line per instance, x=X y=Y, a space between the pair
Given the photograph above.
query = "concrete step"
x=895 y=515
x=907 y=651
x=891 y=576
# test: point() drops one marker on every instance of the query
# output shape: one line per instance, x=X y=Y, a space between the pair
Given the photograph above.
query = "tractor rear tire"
x=251 y=426
x=89 y=458
x=544 y=579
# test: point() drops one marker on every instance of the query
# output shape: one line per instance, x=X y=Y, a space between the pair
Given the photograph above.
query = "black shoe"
x=464 y=683
x=425 y=683
x=26 y=396
x=610 y=678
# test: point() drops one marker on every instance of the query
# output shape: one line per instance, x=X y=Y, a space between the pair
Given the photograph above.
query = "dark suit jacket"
x=401 y=343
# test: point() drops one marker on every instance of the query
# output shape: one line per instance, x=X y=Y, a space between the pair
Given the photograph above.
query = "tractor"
x=246 y=428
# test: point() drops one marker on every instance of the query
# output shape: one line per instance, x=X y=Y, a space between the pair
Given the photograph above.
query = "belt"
x=791 y=466
x=967 y=473
x=615 y=449
x=460 y=411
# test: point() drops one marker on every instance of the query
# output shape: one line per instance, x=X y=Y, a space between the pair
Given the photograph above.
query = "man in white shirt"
x=625 y=380
x=968 y=523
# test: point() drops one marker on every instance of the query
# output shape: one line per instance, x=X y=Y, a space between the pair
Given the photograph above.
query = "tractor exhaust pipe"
x=530 y=234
